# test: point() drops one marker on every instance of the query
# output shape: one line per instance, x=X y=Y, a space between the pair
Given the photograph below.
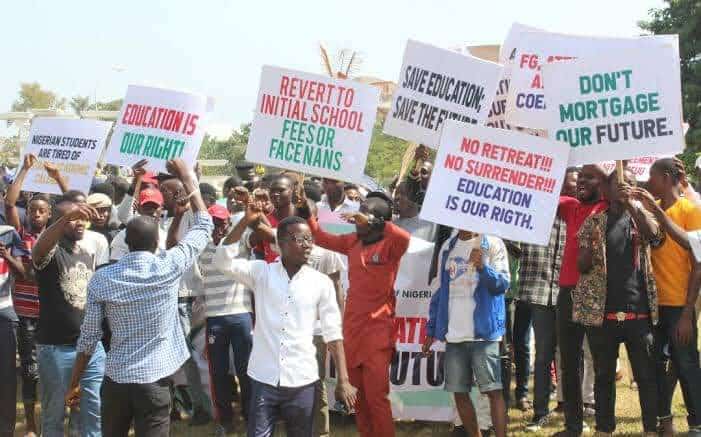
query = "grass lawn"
x=627 y=414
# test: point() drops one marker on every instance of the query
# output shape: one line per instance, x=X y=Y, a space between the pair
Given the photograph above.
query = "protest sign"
x=497 y=182
x=436 y=85
x=528 y=94
x=158 y=125
x=313 y=124
x=72 y=145
x=616 y=106
x=640 y=166
x=416 y=381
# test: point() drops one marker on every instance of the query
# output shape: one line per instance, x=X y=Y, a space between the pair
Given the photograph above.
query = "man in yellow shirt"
x=678 y=279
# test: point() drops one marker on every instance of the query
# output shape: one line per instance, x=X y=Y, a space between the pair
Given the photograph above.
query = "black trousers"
x=27 y=349
x=570 y=339
x=544 y=323
x=147 y=405
x=8 y=376
x=604 y=342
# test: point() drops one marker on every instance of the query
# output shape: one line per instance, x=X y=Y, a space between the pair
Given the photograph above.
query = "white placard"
x=497 y=182
x=616 y=107
x=313 y=124
x=158 y=125
x=73 y=145
x=436 y=85
x=528 y=91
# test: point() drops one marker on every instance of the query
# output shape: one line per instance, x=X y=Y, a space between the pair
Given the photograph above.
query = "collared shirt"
x=139 y=297
x=539 y=272
x=589 y=296
x=286 y=308
x=119 y=247
x=347 y=205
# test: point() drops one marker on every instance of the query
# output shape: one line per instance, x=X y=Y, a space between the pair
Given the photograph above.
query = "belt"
x=623 y=316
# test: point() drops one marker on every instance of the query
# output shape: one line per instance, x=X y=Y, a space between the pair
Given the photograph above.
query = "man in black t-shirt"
x=63 y=269
x=616 y=299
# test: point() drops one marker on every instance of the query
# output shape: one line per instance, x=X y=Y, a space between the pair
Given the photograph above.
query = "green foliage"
x=232 y=149
x=385 y=155
x=683 y=17
x=82 y=103
x=31 y=95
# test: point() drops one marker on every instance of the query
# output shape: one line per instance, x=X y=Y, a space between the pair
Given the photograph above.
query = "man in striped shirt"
x=26 y=291
x=229 y=324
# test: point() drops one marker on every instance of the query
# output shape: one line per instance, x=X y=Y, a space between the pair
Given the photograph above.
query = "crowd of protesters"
x=103 y=296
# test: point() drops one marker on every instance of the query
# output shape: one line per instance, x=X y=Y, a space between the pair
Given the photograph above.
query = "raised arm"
x=13 y=192
x=55 y=174
x=400 y=240
x=125 y=211
x=50 y=237
x=185 y=253
x=670 y=228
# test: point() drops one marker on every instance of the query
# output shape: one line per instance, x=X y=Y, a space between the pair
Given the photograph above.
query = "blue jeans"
x=55 y=369
x=225 y=333
x=522 y=347
x=200 y=400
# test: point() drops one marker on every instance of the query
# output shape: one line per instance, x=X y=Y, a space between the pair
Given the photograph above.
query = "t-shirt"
x=463 y=282
x=625 y=286
x=573 y=213
x=63 y=278
x=671 y=264
x=26 y=294
x=96 y=244
x=11 y=239
x=223 y=295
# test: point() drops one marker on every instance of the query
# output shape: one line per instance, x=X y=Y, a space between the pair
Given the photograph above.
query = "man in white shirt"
x=150 y=205
x=335 y=199
x=289 y=297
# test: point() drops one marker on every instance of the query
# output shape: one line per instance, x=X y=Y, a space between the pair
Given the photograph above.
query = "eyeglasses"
x=301 y=239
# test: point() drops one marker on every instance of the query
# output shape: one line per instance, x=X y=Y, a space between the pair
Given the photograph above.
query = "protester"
x=374 y=251
x=289 y=296
x=209 y=194
x=616 y=299
x=334 y=198
x=108 y=189
x=229 y=309
x=538 y=287
x=150 y=204
x=332 y=265
x=102 y=223
x=262 y=239
x=12 y=251
x=678 y=278
x=26 y=293
x=467 y=312
x=146 y=347
x=352 y=192
x=236 y=195
x=408 y=215
x=63 y=268
x=570 y=335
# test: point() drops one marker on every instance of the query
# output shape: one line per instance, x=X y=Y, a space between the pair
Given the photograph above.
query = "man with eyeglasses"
x=289 y=296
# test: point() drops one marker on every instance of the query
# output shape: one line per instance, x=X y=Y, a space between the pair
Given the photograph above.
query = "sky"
x=217 y=47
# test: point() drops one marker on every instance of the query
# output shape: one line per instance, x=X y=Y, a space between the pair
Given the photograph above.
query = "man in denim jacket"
x=467 y=312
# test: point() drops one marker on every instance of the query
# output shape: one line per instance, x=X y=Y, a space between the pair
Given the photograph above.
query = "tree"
x=683 y=17
x=31 y=95
x=82 y=103
x=232 y=149
x=385 y=155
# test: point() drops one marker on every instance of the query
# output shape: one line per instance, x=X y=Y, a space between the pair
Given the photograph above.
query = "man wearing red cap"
x=229 y=324
x=150 y=204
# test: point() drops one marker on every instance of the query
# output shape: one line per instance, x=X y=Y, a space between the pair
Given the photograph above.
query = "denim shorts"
x=468 y=362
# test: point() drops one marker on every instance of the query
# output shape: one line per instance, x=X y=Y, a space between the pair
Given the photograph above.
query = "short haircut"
x=379 y=205
x=40 y=197
x=668 y=166
x=572 y=170
x=349 y=186
x=208 y=191
x=286 y=223
x=105 y=188
x=72 y=196
x=142 y=234
x=312 y=190
x=232 y=182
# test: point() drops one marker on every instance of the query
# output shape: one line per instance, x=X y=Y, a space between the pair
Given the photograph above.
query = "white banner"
x=497 y=182
x=158 y=125
x=73 y=145
x=640 y=167
x=313 y=124
x=616 y=107
x=436 y=85
x=416 y=381
x=528 y=96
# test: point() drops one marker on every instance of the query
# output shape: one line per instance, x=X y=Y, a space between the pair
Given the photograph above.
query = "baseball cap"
x=149 y=178
x=218 y=211
x=150 y=195
x=99 y=200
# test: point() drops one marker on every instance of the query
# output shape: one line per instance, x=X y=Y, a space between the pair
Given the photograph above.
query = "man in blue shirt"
x=139 y=297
